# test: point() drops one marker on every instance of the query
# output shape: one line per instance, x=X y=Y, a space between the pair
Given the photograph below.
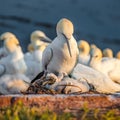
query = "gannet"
x=84 y=50
x=14 y=61
x=61 y=55
x=109 y=66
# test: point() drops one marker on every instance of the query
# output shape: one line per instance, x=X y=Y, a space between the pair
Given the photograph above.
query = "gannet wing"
x=2 y=69
x=47 y=56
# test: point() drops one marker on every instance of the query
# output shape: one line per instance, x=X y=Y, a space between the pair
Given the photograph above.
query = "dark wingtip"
x=38 y=76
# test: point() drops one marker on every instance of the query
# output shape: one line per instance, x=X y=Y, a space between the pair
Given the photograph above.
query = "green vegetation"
x=21 y=112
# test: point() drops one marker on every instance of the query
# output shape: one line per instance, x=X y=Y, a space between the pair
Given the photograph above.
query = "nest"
x=38 y=86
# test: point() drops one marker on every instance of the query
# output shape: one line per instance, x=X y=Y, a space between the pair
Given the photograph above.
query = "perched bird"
x=118 y=55
x=14 y=61
x=3 y=37
x=108 y=53
x=84 y=50
x=13 y=84
x=97 y=80
x=61 y=55
x=109 y=66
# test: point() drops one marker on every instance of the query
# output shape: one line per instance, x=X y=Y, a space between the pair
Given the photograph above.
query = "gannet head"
x=108 y=53
x=118 y=55
x=93 y=46
x=84 y=47
x=39 y=35
x=11 y=44
x=96 y=54
x=65 y=27
x=6 y=35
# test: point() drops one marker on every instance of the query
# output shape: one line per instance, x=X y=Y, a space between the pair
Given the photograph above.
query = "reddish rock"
x=63 y=102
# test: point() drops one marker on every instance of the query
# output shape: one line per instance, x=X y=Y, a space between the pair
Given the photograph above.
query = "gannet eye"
x=18 y=44
x=96 y=56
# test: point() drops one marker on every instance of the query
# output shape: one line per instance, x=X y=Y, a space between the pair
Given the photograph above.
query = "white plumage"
x=100 y=82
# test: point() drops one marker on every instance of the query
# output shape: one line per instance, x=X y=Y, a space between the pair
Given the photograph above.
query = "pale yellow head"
x=84 y=47
x=118 y=55
x=96 y=54
x=37 y=34
x=108 y=53
x=7 y=35
x=11 y=44
x=93 y=46
x=65 y=26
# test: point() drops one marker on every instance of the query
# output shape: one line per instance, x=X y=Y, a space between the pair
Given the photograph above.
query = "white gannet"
x=14 y=61
x=84 y=50
x=100 y=82
x=108 y=53
x=13 y=84
x=108 y=66
x=61 y=55
x=3 y=37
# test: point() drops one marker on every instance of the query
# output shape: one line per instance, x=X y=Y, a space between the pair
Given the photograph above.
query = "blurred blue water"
x=96 y=21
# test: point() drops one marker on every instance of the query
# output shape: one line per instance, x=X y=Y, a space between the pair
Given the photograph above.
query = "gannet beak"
x=45 y=39
x=67 y=41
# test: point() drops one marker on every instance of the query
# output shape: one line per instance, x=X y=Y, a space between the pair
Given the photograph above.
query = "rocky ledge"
x=60 y=102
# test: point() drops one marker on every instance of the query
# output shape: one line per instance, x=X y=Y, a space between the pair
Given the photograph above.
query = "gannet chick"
x=34 y=65
x=39 y=35
x=84 y=50
x=109 y=66
x=118 y=55
x=61 y=55
x=108 y=53
x=3 y=37
x=14 y=61
x=13 y=84
x=97 y=80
